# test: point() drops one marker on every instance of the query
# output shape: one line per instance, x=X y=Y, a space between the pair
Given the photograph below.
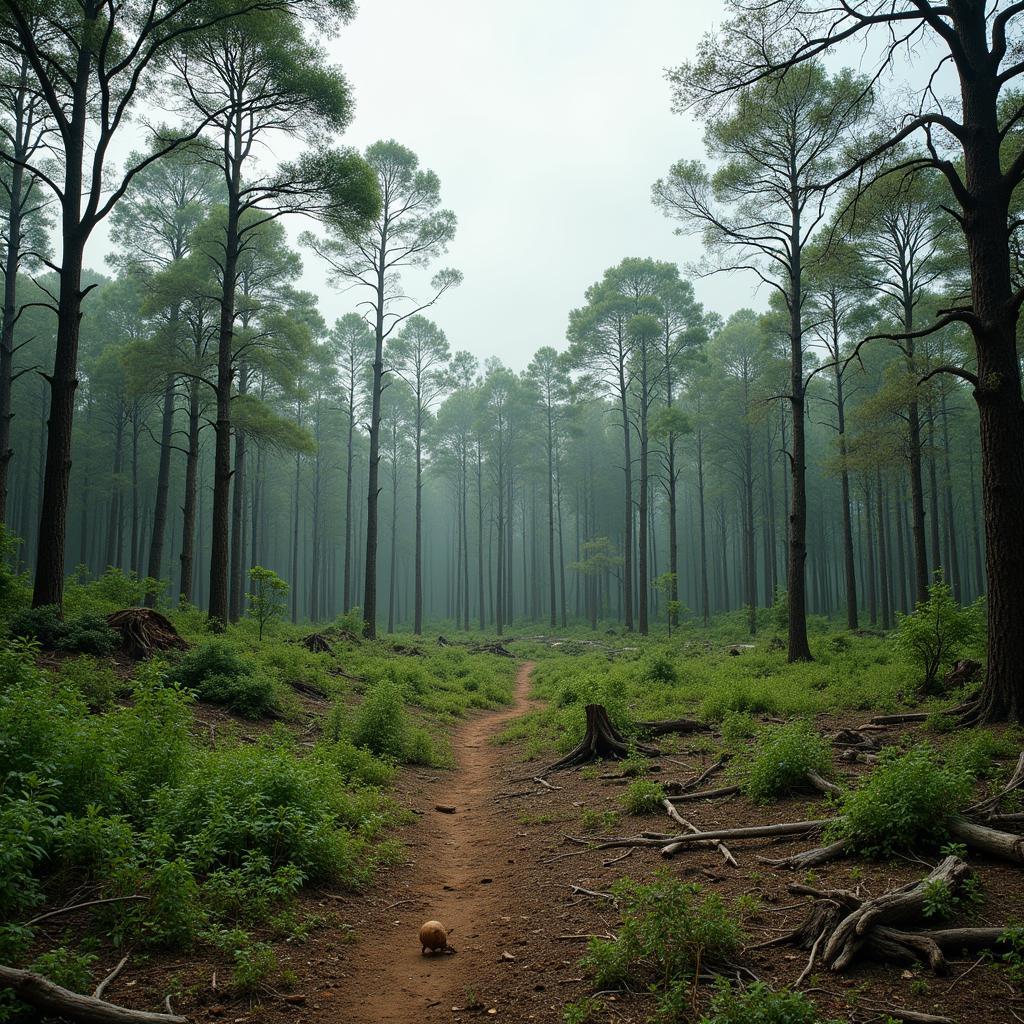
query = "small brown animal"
x=433 y=937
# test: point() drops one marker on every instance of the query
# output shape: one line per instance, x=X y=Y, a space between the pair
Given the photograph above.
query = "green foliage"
x=219 y=674
x=781 y=761
x=14 y=588
x=659 y=668
x=643 y=797
x=907 y=800
x=937 y=632
x=759 y=1004
x=736 y=726
x=1013 y=958
x=87 y=633
x=669 y=929
x=975 y=751
x=586 y=1010
x=267 y=598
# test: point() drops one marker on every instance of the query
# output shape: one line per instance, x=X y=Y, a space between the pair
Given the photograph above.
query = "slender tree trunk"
x=705 y=603
x=799 y=649
x=188 y=519
x=163 y=486
x=12 y=260
x=219 y=532
x=872 y=577
x=373 y=476
x=238 y=485
x=883 y=555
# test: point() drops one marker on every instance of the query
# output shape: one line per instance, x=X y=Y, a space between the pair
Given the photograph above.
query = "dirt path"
x=460 y=872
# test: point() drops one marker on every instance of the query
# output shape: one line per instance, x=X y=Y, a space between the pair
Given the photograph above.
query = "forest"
x=319 y=620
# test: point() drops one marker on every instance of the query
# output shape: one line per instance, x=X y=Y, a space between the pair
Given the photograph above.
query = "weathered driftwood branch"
x=602 y=741
x=842 y=926
x=809 y=858
x=671 y=725
x=705 y=794
x=822 y=785
x=668 y=851
x=44 y=995
x=1005 y=845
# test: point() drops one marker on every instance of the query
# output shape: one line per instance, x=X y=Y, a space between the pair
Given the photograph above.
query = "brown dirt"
x=460 y=876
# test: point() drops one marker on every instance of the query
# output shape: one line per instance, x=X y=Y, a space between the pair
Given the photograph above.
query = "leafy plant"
x=907 y=800
x=669 y=929
x=936 y=632
x=759 y=1004
x=643 y=797
x=87 y=633
x=781 y=761
x=267 y=599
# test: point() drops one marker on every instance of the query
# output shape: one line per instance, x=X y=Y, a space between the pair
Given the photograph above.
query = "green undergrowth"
x=132 y=801
x=642 y=679
x=670 y=931
x=779 y=763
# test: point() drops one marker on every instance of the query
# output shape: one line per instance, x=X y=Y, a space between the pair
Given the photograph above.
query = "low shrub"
x=87 y=633
x=781 y=761
x=738 y=725
x=643 y=797
x=907 y=800
x=381 y=723
x=669 y=929
x=759 y=1004
x=976 y=750
x=220 y=675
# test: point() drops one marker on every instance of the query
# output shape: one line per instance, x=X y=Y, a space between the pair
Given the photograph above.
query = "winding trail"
x=460 y=872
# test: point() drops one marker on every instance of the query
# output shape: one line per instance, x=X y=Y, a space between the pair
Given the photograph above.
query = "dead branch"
x=668 y=851
x=809 y=858
x=671 y=725
x=706 y=794
x=51 y=999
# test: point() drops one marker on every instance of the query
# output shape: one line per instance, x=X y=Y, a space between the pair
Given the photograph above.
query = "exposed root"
x=602 y=741
x=317 y=643
x=144 y=632
x=842 y=926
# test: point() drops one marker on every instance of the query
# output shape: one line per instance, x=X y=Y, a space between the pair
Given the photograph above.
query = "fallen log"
x=1005 y=845
x=823 y=785
x=788 y=828
x=42 y=994
x=672 y=848
x=705 y=794
x=602 y=741
x=671 y=725
x=809 y=858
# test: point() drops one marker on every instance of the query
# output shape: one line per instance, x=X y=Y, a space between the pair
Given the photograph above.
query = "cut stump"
x=602 y=741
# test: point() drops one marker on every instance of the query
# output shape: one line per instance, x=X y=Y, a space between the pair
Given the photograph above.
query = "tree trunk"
x=163 y=486
x=188 y=518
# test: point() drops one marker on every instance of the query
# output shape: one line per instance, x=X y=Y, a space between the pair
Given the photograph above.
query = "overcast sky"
x=547 y=122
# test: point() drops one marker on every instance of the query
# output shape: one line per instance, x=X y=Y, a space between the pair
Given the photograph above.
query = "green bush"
x=975 y=752
x=87 y=633
x=781 y=761
x=659 y=668
x=220 y=675
x=669 y=929
x=937 y=632
x=643 y=797
x=907 y=800
x=381 y=723
x=263 y=800
x=738 y=725
x=759 y=1004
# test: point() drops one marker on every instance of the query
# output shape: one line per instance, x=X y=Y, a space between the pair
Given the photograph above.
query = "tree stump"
x=601 y=742
x=317 y=643
x=145 y=631
x=964 y=671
